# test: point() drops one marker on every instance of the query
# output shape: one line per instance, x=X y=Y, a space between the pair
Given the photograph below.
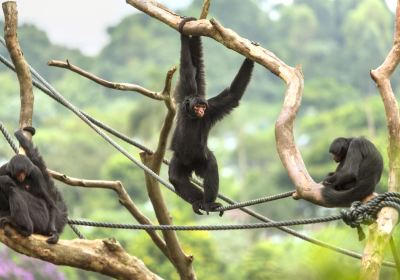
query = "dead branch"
x=290 y=156
x=113 y=85
x=381 y=231
x=205 y=9
x=180 y=260
x=104 y=256
x=124 y=199
x=21 y=67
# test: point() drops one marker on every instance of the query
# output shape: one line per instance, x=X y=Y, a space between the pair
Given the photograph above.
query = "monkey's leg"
x=179 y=177
x=209 y=172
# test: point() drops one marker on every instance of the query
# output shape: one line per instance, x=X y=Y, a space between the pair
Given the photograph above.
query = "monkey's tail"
x=335 y=198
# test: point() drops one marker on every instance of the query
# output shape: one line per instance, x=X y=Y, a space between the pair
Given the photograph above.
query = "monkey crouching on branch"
x=196 y=116
x=30 y=200
x=358 y=172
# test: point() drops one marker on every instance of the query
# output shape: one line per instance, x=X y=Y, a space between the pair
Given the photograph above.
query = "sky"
x=78 y=23
x=83 y=24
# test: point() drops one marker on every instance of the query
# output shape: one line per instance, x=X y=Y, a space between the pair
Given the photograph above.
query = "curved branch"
x=124 y=199
x=113 y=85
x=381 y=232
x=104 y=256
x=290 y=156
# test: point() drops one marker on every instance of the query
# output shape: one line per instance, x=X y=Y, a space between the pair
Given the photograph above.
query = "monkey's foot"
x=4 y=221
x=53 y=239
x=211 y=207
x=197 y=205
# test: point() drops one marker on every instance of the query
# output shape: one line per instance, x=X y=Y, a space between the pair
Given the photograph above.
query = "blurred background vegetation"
x=337 y=42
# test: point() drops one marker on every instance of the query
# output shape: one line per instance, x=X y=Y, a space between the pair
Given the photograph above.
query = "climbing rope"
x=206 y=227
x=356 y=215
x=254 y=201
x=8 y=138
x=224 y=198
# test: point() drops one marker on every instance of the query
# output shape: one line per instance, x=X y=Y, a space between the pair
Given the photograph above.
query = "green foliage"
x=336 y=42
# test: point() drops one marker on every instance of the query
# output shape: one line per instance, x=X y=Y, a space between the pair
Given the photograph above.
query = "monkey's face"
x=20 y=176
x=337 y=157
x=199 y=110
x=19 y=167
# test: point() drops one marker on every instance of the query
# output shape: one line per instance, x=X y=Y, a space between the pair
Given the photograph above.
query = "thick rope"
x=224 y=198
x=356 y=215
x=254 y=201
x=367 y=213
x=207 y=227
x=8 y=138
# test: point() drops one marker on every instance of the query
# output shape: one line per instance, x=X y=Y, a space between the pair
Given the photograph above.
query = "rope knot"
x=367 y=213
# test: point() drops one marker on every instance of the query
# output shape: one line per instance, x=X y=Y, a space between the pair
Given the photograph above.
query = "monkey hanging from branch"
x=196 y=116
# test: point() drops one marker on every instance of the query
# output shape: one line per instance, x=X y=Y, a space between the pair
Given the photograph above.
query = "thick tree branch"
x=124 y=199
x=290 y=156
x=113 y=85
x=104 y=256
x=21 y=67
x=380 y=233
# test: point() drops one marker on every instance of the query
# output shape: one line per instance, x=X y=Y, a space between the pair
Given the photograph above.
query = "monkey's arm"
x=187 y=71
x=222 y=104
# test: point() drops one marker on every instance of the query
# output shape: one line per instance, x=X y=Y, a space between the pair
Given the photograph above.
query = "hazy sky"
x=78 y=23
x=82 y=23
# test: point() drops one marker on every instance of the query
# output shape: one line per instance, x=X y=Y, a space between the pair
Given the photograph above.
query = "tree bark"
x=21 y=67
x=381 y=232
x=104 y=256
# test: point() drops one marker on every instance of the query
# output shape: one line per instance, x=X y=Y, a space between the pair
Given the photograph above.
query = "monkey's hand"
x=183 y=22
x=330 y=179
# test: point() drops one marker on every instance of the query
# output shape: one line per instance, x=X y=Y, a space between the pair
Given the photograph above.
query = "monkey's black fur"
x=358 y=172
x=189 y=141
x=37 y=183
x=24 y=211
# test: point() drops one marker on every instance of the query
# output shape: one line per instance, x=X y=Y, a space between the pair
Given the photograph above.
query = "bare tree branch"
x=113 y=85
x=104 y=256
x=124 y=199
x=205 y=9
x=21 y=67
x=381 y=231
x=290 y=156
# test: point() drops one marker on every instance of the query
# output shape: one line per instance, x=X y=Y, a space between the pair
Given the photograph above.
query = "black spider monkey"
x=29 y=173
x=25 y=212
x=358 y=172
x=196 y=116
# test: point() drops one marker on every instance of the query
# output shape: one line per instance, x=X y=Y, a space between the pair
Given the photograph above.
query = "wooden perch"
x=104 y=256
x=113 y=85
x=21 y=67
x=306 y=187
x=381 y=231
